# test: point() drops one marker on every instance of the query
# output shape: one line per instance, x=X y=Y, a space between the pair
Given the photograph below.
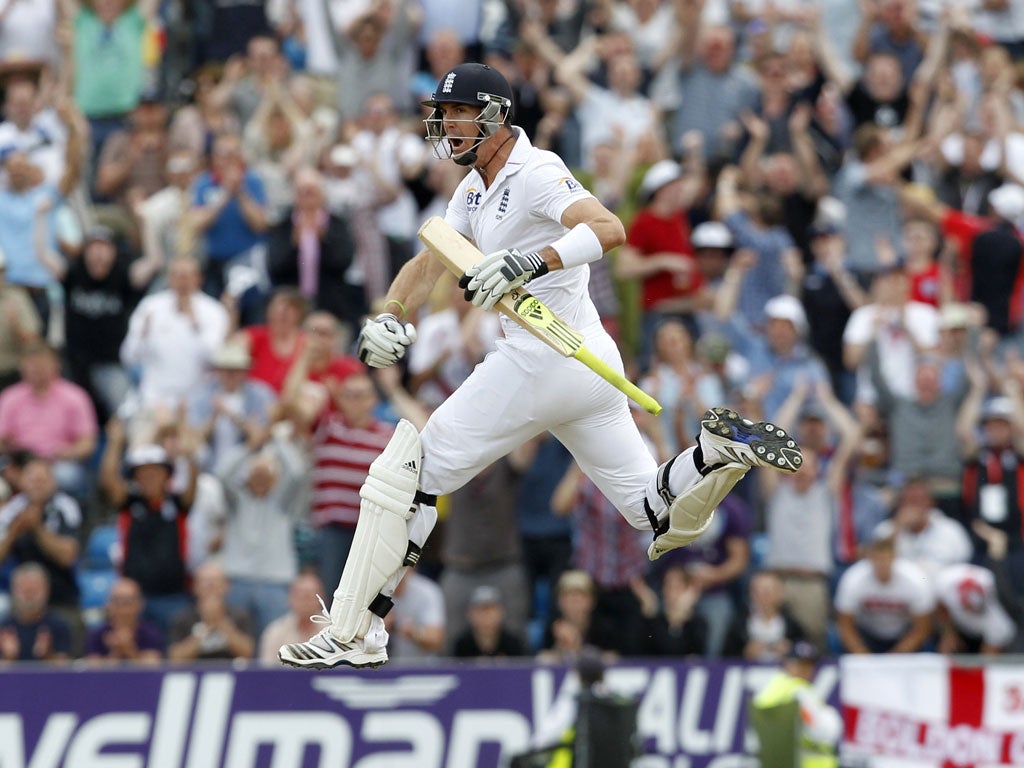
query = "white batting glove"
x=383 y=340
x=498 y=273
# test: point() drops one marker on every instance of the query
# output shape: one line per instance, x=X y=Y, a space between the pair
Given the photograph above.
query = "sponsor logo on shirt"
x=570 y=184
x=503 y=204
x=473 y=197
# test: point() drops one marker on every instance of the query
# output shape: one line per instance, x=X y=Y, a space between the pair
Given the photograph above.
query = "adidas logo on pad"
x=410 y=465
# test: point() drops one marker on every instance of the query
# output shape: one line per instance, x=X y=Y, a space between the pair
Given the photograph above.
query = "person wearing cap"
x=231 y=408
x=574 y=624
x=971 y=616
x=818 y=725
x=314 y=249
x=486 y=635
x=101 y=288
x=994 y=469
x=658 y=252
x=20 y=329
x=152 y=520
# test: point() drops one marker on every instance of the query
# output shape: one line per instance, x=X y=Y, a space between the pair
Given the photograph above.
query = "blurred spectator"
x=920 y=428
x=278 y=140
x=19 y=326
x=232 y=27
x=574 y=624
x=171 y=336
x=210 y=628
x=108 y=44
x=766 y=631
x=230 y=409
x=125 y=636
x=868 y=186
x=658 y=250
x=755 y=220
x=608 y=549
x=159 y=216
x=32 y=632
x=29 y=32
x=706 y=78
x=245 y=78
x=29 y=125
x=546 y=537
x=1004 y=23
x=295 y=625
x=930 y=282
x=717 y=561
x=132 y=164
x=345 y=440
x=275 y=346
x=479 y=550
x=391 y=156
x=151 y=521
x=782 y=358
x=802 y=510
x=101 y=289
x=208 y=112
x=50 y=416
x=319 y=366
x=314 y=250
x=829 y=294
x=258 y=554
x=674 y=628
x=442 y=51
x=884 y=604
x=971 y=618
x=449 y=344
x=924 y=535
x=43 y=525
x=897 y=327
x=891 y=26
x=486 y=634
x=372 y=58
x=228 y=214
x=416 y=622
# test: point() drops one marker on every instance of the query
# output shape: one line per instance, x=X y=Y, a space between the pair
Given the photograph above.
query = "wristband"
x=401 y=306
x=578 y=246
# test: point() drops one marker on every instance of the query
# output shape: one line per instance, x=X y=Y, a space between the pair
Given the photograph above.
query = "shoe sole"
x=769 y=445
x=321 y=665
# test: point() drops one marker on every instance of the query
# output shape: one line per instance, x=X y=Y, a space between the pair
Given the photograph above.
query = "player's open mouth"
x=456 y=143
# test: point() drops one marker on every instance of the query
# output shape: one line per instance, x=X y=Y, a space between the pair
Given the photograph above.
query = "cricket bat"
x=458 y=254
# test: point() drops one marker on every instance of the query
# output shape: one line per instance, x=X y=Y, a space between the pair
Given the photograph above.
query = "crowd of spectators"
x=199 y=202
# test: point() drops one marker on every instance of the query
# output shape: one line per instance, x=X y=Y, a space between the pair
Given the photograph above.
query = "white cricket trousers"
x=524 y=388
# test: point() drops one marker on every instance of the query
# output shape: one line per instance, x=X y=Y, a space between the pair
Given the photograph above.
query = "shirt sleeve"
x=456 y=214
x=847 y=598
x=554 y=189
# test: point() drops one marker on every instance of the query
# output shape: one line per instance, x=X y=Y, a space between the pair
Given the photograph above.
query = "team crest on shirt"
x=570 y=184
x=503 y=205
x=473 y=196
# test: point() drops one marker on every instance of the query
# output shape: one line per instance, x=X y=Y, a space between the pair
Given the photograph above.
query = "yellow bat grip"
x=617 y=380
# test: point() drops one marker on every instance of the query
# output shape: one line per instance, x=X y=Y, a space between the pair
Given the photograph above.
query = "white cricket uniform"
x=524 y=387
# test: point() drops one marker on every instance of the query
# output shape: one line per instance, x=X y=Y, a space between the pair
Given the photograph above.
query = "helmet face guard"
x=495 y=111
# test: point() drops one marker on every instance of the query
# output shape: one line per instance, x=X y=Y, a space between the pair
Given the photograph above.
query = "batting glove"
x=383 y=340
x=498 y=273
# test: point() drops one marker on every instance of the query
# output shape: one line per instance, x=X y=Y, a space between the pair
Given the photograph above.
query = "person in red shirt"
x=930 y=283
x=274 y=347
x=658 y=251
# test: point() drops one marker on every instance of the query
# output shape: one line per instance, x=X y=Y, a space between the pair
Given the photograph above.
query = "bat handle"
x=617 y=380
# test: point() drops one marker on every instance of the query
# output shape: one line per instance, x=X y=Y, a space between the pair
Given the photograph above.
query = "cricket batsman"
x=522 y=207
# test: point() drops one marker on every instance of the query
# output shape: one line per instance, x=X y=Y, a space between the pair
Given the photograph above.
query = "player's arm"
x=384 y=339
x=593 y=230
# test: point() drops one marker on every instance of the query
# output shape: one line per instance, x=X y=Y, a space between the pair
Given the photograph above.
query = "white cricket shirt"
x=523 y=209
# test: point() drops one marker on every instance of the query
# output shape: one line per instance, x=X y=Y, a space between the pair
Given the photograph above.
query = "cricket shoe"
x=754 y=443
x=325 y=651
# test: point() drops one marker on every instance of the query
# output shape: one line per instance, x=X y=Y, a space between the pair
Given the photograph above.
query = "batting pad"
x=693 y=510
x=381 y=538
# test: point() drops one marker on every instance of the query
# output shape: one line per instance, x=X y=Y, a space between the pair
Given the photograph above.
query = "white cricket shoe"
x=325 y=651
x=754 y=443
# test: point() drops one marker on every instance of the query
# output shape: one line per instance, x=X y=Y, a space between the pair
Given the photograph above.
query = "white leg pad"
x=381 y=537
x=693 y=510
